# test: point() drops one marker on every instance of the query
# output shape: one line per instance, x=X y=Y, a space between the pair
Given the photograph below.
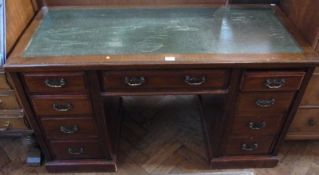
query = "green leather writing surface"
x=65 y=32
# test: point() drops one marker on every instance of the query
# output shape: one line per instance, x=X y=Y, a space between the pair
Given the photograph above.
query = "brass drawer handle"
x=5 y=127
x=249 y=147
x=195 y=81
x=275 y=83
x=257 y=125
x=265 y=103
x=134 y=81
x=62 y=107
x=55 y=83
x=75 y=151
x=312 y=123
x=69 y=129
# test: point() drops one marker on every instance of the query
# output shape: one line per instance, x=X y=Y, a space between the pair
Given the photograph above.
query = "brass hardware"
x=312 y=123
x=195 y=81
x=265 y=103
x=62 y=107
x=249 y=147
x=257 y=125
x=5 y=127
x=69 y=129
x=134 y=81
x=275 y=83
x=75 y=151
x=55 y=83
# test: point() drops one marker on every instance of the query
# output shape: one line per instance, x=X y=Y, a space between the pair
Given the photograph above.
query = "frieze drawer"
x=272 y=81
x=65 y=82
x=183 y=80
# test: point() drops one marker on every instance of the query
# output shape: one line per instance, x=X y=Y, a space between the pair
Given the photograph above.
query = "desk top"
x=87 y=38
x=65 y=32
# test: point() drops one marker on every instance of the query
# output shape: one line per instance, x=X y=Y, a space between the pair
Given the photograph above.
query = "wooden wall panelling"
x=19 y=14
x=305 y=15
x=130 y=2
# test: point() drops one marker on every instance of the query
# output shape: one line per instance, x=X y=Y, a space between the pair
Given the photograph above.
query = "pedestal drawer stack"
x=262 y=106
x=63 y=109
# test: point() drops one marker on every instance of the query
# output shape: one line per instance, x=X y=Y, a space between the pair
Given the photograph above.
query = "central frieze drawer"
x=264 y=103
x=64 y=82
x=69 y=128
x=61 y=105
x=117 y=81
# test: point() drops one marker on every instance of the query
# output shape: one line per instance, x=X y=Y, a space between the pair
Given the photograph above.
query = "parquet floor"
x=162 y=135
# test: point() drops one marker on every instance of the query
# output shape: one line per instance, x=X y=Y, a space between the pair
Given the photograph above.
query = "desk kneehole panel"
x=165 y=80
x=264 y=102
x=272 y=81
x=57 y=105
x=65 y=82
x=77 y=149
x=69 y=128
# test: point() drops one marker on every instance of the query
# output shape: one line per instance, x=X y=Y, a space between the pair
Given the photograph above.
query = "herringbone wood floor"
x=162 y=135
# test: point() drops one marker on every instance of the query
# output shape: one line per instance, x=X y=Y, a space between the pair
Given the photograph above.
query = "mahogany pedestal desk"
x=248 y=65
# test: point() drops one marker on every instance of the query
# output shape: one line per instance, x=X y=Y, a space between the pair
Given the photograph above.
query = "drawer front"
x=311 y=96
x=160 y=80
x=3 y=82
x=249 y=146
x=61 y=105
x=258 y=125
x=68 y=150
x=8 y=101
x=11 y=123
x=75 y=128
x=55 y=82
x=306 y=121
x=272 y=81
x=264 y=102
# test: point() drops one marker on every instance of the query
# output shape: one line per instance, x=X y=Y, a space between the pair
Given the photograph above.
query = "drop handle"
x=134 y=81
x=249 y=147
x=55 y=83
x=274 y=83
x=75 y=151
x=195 y=81
x=62 y=107
x=69 y=129
x=257 y=125
x=265 y=103
x=312 y=122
